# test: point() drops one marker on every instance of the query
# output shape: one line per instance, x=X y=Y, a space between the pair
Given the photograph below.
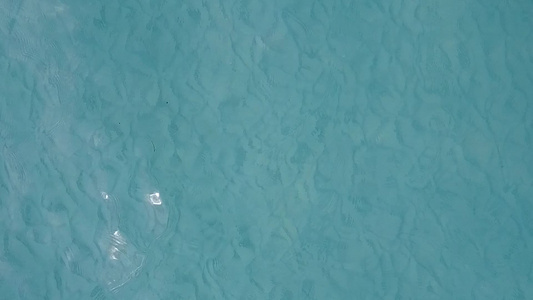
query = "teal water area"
x=266 y=149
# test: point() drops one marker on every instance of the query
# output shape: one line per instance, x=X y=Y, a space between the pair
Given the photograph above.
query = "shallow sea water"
x=266 y=150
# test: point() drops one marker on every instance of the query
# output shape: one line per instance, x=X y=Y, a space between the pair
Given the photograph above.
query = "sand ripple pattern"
x=266 y=149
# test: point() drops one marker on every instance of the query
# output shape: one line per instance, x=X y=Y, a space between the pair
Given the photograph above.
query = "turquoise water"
x=266 y=149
